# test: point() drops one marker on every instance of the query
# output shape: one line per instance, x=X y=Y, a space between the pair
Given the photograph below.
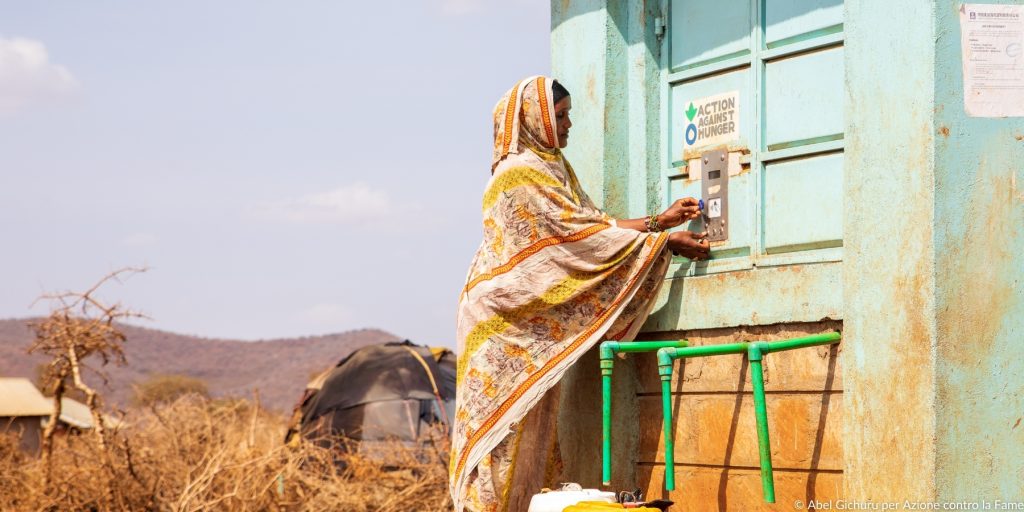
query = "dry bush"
x=195 y=454
x=166 y=388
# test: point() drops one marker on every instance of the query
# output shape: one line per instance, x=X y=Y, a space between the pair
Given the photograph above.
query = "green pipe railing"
x=755 y=351
x=607 y=352
x=755 y=355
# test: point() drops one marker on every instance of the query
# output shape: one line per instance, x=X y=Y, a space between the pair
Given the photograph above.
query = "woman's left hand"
x=682 y=210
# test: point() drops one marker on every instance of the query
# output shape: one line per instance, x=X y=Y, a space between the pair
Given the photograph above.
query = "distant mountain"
x=278 y=368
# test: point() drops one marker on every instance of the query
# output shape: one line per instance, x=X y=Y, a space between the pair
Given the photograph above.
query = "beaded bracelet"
x=652 y=224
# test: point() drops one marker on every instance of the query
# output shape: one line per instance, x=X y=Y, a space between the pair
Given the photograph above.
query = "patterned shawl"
x=551 y=279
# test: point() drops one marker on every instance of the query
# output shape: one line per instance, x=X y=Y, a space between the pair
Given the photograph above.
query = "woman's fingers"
x=689 y=244
x=701 y=245
x=680 y=211
x=686 y=208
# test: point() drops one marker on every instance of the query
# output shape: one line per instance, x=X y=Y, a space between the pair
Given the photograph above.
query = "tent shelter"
x=25 y=411
x=392 y=392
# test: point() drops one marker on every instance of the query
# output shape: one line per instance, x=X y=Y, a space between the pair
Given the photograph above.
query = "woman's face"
x=562 y=122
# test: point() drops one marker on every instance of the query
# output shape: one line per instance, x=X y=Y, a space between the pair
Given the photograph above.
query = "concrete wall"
x=933 y=268
x=889 y=331
x=609 y=61
x=608 y=58
x=979 y=294
x=924 y=399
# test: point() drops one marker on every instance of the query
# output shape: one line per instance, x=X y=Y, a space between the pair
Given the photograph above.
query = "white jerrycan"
x=569 y=494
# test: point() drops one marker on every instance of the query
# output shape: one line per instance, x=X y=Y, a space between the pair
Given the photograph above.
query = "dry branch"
x=80 y=326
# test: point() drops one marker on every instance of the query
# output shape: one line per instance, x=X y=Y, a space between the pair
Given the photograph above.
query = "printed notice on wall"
x=711 y=120
x=992 y=38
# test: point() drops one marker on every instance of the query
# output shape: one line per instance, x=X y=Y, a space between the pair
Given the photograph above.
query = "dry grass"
x=195 y=454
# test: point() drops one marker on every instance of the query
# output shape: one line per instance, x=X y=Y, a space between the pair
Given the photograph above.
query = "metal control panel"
x=715 y=192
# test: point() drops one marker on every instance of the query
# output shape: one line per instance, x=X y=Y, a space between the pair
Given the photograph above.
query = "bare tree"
x=78 y=327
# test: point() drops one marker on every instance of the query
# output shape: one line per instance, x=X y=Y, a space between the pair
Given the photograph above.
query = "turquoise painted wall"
x=889 y=333
x=933 y=268
x=609 y=59
x=928 y=278
x=979 y=285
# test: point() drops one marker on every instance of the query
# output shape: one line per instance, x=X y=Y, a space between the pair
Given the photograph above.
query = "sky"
x=282 y=168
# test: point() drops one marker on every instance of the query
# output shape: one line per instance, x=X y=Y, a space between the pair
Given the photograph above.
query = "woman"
x=554 y=276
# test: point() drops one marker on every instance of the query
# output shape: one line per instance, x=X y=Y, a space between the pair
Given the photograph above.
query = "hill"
x=278 y=368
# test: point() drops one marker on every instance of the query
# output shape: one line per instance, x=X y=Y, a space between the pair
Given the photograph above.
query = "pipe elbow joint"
x=608 y=349
x=666 y=358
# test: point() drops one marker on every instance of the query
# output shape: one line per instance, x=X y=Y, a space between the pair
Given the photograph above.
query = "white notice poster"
x=992 y=39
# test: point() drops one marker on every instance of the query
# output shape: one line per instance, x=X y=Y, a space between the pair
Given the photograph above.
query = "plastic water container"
x=593 y=506
x=568 y=495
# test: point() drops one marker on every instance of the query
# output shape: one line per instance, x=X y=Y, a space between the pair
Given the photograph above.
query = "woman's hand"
x=689 y=244
x=682 y=210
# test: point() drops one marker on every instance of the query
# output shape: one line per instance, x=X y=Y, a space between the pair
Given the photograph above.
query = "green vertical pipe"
x=666 y=408
x=666 y=358
x=761 y=414
x=607 y=352
x=606 y=421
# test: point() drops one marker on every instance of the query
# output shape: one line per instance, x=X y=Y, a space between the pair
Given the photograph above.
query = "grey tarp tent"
x=378 y=393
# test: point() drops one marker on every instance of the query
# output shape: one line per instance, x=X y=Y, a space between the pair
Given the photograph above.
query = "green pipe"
x=706 y=350
x=808 y=341
x=666 y=358
x=761 y=415
x=607 y=352
x=755 y=355
x=665 y=372
x=606 y=421
x=643 y=346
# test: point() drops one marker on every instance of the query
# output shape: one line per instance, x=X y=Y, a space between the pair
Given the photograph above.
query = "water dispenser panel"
x=715 y=192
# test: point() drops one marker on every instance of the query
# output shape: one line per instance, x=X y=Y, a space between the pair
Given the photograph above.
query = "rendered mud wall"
x=717 y=465
x=716 y=451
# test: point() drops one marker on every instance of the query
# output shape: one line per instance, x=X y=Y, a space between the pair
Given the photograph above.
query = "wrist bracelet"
x=652 y=224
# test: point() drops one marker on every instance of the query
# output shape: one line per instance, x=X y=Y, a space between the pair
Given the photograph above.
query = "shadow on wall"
x=563 y=11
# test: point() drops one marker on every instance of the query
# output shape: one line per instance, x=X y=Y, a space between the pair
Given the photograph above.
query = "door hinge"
x=659 y=27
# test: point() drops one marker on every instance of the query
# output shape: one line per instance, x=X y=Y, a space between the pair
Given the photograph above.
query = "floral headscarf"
x=531 y=103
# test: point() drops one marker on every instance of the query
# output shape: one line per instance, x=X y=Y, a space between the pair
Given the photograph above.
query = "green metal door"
x=763 y=79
